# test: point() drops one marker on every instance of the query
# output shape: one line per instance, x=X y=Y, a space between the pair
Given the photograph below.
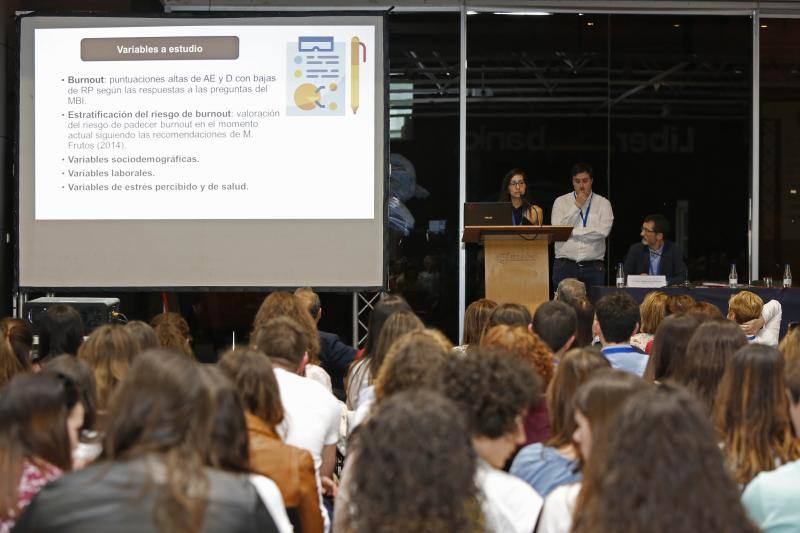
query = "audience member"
x=570 y=291
x=88 y=447
x=520 y=342
x=15 y=349
x=597 y=401
x=359 y=376
x=771 y=498
x=495 y=391
x=227 y=446
x=751 y=413
x=617 y=321
x=402 y=479
x=144 y=334
x=335 y=356
x=711 y=347
x=172 y=332
x=310 y=412
x=659 y=470
x=653 y=309
x=705 y=311
x=547 y=466
x=475 y=318
x=291 y=468
x=60 y=330
x=509 y=314
x=153 y=475
x=287 y=304
x=679 y=303
x=584 y=334
x=108 y=351
x=790 y=345
x=745 y=306
x=669 y=346
x=556 y=324
x=654 y=254
x=39 y=419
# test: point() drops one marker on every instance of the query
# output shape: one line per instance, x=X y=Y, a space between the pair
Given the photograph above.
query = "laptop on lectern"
x=487 y=214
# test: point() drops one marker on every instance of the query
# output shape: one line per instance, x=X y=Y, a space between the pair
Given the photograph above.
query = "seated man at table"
x=617 y=320
x=654 y=255
x=745 y=306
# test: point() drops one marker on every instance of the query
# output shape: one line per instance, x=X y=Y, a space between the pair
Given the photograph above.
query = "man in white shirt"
x=310 y=413
x=582 y=255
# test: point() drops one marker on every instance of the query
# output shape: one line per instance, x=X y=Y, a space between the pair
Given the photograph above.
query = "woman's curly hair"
x=415 y=361
x=659 y=471
x=519 y=341
x=287 y=304
x=413 y=469
x=492 y=388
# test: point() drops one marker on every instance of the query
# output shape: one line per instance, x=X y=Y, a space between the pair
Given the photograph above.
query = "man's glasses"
x=516 y=184
x=648 y=230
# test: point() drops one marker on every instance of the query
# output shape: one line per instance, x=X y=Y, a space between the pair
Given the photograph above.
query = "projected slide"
x=205 y=122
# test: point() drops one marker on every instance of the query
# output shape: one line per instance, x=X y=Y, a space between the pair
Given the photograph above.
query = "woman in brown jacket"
x=291 y=468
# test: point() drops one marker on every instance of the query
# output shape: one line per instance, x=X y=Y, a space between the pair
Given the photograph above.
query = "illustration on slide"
x=316 y=74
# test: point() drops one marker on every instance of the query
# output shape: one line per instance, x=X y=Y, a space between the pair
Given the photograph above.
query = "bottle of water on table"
x=620 y=276
x=787 y=276
x=733 y=277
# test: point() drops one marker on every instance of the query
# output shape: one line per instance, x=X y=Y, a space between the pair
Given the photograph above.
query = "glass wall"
x=779 y=223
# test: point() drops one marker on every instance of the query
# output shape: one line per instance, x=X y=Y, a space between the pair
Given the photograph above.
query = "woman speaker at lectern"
x=515 y=190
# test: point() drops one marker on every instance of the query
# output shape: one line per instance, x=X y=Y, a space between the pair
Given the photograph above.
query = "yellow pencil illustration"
x=354 y=61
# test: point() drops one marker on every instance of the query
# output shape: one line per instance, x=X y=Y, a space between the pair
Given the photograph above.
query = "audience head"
x=226 y=445
x=570 y=291
x=60 y=331
x=653 y=310
x=172 y=332
x=380 y=313
x=310 y=301
x=660 y=453
x=475 y=318
x=617 y=317
x=793 y=392
x=108 y=351
x=495 y=391
x=287 y=304
x=790 y=345
x=597 y=400
x=705 y=311
x=509 y=314
x=751 y=413
x=413 y=468
x=15 y=348
x=81 y=375
x=397 y=325
x=162 y=409
x=520 y=342
x=414 y=362
x=669 y=346
x=143 y=334
x=744 y=306
x=555 y=323
x=679 y=303
x=584 y=312
x=284 y=341
x=574 y=369
x=711 y=347
x=254 y=377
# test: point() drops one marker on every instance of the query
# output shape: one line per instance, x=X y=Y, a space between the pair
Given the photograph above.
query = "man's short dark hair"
x=555 y=323
x=660 y=223
x=492 y=388
x=282 y=338
x=577 y=168
x=617 y=313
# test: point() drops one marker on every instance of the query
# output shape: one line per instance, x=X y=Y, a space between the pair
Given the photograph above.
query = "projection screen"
x=201 y=152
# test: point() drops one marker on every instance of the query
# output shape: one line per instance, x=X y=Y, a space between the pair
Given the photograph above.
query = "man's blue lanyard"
x=585 y=218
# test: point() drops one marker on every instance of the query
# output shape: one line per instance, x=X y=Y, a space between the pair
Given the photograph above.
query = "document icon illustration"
x=316 y=77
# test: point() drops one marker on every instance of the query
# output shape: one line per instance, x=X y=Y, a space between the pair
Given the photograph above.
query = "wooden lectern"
x=517 y=265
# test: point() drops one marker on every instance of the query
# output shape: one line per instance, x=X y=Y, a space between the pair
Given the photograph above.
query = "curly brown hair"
x=475 y=318
x=492 y=388
x=679 y=303
x=661 y=454
x=519 y=341
x=574 y=369
x=413 y=469
x=287 y=304
x=415 y=361
x=751 y=413
x=172 y=332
